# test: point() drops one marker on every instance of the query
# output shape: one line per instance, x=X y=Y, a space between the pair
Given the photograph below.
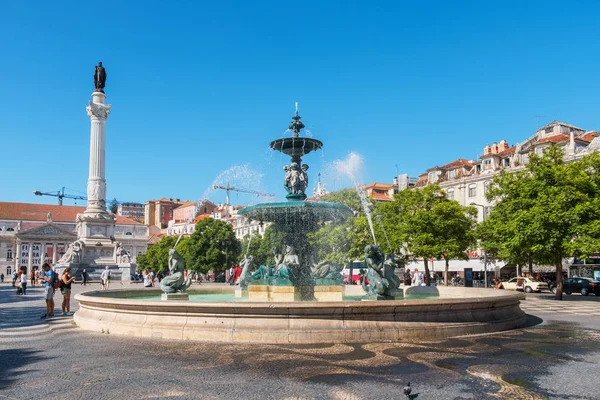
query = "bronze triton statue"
x=100 y=78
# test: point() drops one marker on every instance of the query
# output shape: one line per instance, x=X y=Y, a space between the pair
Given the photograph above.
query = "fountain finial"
x=296 y=124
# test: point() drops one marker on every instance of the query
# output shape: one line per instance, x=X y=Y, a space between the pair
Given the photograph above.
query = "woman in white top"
x=417 y=278
x=24 y=282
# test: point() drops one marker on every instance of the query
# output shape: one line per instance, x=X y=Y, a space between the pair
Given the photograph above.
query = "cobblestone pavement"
x=55 y=360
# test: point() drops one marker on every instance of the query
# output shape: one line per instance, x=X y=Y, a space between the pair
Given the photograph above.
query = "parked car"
x=526 y=284
x=584 y=286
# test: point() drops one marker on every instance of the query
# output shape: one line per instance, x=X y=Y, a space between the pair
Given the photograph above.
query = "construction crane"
x=60 y=194
x=228 y=188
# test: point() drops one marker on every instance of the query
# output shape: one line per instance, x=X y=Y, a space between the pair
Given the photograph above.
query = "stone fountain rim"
x=299 y=322
x=101 y=297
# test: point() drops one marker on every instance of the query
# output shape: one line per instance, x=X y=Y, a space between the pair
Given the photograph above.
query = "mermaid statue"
x=176 y=282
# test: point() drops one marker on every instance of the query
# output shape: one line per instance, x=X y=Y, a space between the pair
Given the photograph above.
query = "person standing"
x=32 y=277
x=407 y=277
x=24 y=282
x=2 y=277
x=105 y=278
x=84 y=277
x=14 y=278
x=48 y=277
x=237 y=271
x=417 y=278
x=65 y=289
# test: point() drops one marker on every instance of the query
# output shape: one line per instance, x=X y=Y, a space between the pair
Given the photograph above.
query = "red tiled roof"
x=422 y=181
x=589 y=136
x=201 y=217
x=186 y=203
x=38 y=212
x=507 y=152
x=379 y=185
x=461 y=162
x=561 y=137
x=380 y=197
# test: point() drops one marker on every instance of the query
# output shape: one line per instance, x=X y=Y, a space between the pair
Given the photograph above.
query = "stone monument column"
x=96 y=225
x=98 y=111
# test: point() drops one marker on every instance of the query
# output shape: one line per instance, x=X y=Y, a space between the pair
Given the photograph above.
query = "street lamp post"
x=485 y=283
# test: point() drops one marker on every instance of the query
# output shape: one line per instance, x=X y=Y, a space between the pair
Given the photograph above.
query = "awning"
x=456 y=265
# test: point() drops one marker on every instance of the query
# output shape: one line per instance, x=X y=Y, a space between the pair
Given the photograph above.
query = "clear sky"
x=199 y=86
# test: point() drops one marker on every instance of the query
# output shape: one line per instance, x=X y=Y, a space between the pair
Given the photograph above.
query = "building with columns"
x=31 y=234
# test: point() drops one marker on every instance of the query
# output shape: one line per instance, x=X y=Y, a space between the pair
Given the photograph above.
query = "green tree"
x=272 y=238
x=427 y=225
x=456 y=231
x=157 y=256
x=338 y=243
x=212 y=246
x=549 y=212
x=114 y=206
x=252 y=245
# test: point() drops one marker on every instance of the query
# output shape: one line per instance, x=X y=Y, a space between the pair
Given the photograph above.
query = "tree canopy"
x=157 y=257
x=426 y=225
x=547 y=212
x=212 y=246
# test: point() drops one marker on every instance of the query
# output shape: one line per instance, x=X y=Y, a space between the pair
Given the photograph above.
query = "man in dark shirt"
x=407 y=278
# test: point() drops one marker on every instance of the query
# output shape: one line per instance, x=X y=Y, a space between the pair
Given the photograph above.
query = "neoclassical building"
x=31 y=234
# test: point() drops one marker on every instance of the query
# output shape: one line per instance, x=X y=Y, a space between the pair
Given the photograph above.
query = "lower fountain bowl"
x=297 y=213
x=457 y=312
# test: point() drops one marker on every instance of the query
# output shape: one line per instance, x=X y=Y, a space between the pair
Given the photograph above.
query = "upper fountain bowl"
x=296 y=146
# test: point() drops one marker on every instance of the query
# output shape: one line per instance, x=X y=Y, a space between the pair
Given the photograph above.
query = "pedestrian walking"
x=84 y=277
x=23 y=282
x=14 y=278
x=65 y=288
x=48 y=278
x=105 y=278
x=2 y=277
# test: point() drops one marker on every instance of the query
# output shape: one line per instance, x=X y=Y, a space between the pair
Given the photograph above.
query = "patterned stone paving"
x=55 y=360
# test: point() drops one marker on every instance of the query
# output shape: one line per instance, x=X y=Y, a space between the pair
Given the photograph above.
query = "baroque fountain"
x=298 y=300
x=296 y=272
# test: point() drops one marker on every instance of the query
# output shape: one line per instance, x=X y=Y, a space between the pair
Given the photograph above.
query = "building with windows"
x=158 y=213
x=31 y=234
x=467 y=181
x=131 y=210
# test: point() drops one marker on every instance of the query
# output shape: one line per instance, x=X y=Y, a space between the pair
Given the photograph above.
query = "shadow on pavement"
x=532 y=321
x=13 y=360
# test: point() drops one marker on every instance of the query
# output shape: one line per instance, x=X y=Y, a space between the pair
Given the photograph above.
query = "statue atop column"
x=100 y=78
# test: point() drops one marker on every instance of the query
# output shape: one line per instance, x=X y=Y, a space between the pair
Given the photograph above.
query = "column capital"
x=100 y=111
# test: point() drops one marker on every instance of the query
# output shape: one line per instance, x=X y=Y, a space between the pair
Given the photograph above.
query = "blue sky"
x=197 y=87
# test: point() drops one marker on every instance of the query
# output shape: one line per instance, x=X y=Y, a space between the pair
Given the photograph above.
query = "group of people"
x=51 y=282
x=415 y=278
x=234 y=274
